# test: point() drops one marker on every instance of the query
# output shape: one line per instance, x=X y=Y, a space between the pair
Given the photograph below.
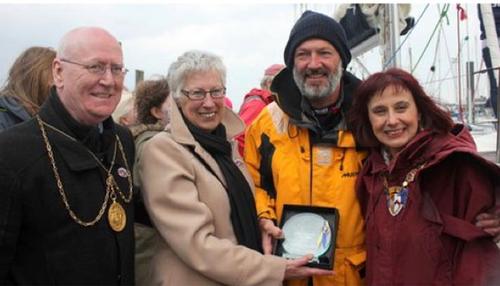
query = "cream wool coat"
x=190 y=208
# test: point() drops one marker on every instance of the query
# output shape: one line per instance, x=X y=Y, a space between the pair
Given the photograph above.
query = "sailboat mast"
x=459 y=71
x=391 y=36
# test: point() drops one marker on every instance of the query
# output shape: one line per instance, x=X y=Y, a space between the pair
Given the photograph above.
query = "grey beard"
x=316 y=92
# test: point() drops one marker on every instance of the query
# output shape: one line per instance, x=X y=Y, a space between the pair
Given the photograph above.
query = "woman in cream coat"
x=198 y=193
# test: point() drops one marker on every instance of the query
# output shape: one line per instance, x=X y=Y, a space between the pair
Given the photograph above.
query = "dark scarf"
x=98 y=141
x=243 y=211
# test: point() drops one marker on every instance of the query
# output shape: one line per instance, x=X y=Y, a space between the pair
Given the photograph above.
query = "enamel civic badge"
x=396 y=199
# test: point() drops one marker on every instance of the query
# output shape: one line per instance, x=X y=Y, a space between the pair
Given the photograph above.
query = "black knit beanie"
x=315 y=25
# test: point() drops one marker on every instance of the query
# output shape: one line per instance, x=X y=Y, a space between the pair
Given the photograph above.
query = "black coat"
x=39 y=242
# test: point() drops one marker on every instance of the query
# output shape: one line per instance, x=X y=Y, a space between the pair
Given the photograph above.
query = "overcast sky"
x=249 y=37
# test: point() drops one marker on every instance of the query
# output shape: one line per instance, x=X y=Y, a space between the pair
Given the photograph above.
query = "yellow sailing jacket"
x=288 y=169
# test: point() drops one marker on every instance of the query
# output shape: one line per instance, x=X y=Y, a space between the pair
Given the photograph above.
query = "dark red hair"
x=432 y=116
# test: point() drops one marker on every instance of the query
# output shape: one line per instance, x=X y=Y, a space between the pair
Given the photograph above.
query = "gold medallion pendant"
x=116 y=217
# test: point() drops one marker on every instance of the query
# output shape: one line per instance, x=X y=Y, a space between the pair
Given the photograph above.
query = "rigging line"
x=432 y=74
x=363 y=67
x=439 y=84
x=450 y=63
x=438 y=43
x=443 y=79
x=441 y=32
x=443 y=14
x=406 y=38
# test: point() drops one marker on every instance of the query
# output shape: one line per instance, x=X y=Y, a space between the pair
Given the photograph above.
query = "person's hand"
x=296 y=269
x=490 y=223
x=269 y=232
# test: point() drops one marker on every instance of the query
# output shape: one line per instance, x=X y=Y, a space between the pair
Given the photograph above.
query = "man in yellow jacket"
x=299 y=149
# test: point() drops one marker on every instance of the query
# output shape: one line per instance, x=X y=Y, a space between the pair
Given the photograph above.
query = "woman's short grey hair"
x=191 y=62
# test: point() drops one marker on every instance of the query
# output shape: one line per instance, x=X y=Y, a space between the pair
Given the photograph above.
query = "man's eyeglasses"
x=100 y=68
x=200 y=94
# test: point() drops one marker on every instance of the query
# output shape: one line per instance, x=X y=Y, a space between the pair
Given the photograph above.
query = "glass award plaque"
x=309 y=230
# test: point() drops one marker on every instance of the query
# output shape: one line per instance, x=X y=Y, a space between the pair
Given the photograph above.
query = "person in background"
x=125 y=113
x=421 y=188
x=27 y=86
x=66 y=212
x=152 y=116
x=198 y=193
x=151 y=108
x=255 y=100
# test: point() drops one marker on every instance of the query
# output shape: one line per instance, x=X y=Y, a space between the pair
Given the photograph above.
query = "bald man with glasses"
x=66 y=190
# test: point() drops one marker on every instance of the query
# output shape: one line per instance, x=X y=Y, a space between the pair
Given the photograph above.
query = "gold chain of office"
x=116 y=213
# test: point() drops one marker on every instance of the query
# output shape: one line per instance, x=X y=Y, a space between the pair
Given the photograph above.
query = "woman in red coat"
x=421 y=189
